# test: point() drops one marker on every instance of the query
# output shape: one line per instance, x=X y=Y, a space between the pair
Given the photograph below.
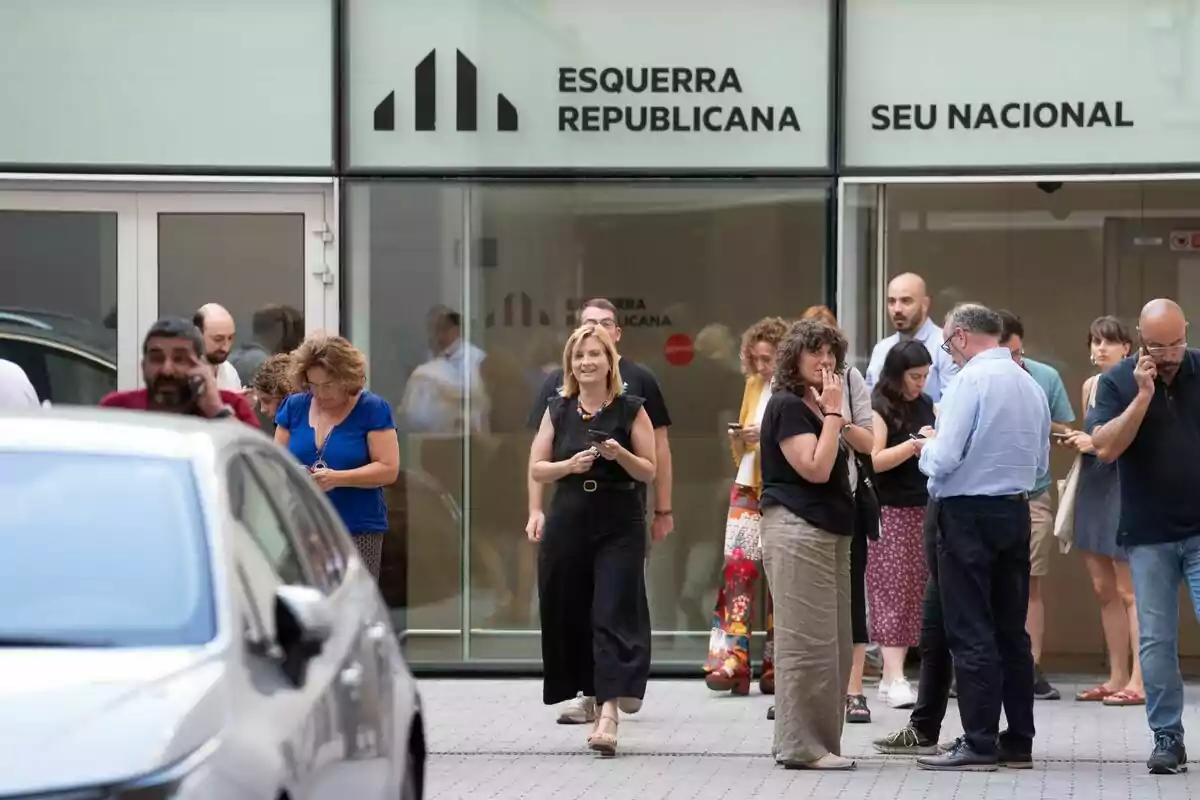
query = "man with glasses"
x=991 y=443
x=1041 y=499
x=1147 y=419
x=639 y=382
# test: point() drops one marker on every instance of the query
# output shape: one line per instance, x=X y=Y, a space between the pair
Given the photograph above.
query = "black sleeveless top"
x=571 y=433
x=905 y=486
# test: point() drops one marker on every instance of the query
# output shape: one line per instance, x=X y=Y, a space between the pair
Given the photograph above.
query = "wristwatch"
x=224 y=413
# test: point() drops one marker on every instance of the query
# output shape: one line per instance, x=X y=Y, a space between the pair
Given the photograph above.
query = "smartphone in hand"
x=595 y=437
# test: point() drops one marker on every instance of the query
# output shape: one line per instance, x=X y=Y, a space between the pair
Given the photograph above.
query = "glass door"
x=270 y=258
x=68 y=315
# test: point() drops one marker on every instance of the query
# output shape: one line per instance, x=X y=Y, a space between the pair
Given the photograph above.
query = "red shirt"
x=139 y=400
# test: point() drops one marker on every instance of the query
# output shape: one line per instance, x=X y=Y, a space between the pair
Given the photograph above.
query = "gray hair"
x=975 y=318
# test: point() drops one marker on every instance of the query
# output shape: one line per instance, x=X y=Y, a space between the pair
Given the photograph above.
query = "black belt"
x=1019 y=497
x=601 y=486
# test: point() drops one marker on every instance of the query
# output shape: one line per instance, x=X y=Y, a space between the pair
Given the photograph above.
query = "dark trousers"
x=983 y=579
x=937 y=668
x=858 y=589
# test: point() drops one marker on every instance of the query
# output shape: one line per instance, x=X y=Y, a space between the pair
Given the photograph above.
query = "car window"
x=320 y=548
x=60 y=376
x=253 y=506
x=105 y=550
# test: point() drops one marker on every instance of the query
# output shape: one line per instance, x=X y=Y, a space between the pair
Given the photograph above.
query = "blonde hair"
x=343 y=361
x=570 y=387
x=768 y=329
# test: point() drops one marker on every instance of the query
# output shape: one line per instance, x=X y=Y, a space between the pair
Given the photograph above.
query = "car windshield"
x=102 y=551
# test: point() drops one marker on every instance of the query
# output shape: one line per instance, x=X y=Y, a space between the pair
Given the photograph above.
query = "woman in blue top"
x=345 y=435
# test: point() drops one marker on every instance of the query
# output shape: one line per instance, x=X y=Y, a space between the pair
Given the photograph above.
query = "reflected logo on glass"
x=509 y=313
x=466 y=110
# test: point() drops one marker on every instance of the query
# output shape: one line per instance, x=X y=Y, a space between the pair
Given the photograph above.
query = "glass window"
x=60 y=276
x=253 y=507
x=1058 y=255
x=57 y=375
x=123 y=564
x=480 y=308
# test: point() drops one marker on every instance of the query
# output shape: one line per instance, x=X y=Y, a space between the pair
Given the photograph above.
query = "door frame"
x=136 y=199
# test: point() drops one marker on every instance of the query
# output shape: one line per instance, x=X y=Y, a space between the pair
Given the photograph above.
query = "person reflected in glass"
x=345 y=435
x=595 y=443
x=1097 y=515
x=896 y=567
x=728 y=666
x=807 y=525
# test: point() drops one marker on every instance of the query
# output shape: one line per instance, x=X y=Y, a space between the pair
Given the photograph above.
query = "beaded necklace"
x=584 y=415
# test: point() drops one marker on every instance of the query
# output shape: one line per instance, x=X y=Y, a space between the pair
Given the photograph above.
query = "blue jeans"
x=1157 y=571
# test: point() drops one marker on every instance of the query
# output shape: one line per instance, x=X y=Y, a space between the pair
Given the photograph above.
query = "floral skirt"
x=896 y=577
x=729 y=642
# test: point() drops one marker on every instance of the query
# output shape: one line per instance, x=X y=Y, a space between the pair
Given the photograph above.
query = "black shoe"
x=960 y=758
x=856 y=708
x=1010 y=757
x=1042 y=690
x=907 y=741
x=771 y=712
x=1169 y=756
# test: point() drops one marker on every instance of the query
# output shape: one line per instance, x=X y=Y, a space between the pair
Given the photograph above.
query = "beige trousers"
x=808 y=571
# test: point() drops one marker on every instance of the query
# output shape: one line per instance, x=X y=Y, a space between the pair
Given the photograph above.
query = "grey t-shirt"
x=856 y=408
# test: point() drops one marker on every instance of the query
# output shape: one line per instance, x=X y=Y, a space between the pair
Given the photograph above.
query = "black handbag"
x=866 y=500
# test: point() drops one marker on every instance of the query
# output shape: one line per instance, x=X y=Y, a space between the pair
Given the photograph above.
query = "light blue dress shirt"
x=993 y=431
x=940 y=373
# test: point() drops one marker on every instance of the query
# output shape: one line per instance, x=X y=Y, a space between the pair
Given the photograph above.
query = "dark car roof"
x=55 y=328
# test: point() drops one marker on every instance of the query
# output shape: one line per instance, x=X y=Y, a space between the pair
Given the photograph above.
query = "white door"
x=68 y=310
x=270 y=258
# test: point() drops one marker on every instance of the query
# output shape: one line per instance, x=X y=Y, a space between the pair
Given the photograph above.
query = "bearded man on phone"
x=178 y=379
x=1147 y=419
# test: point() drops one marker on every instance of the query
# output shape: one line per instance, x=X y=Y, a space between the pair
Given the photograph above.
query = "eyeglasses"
x=607 y=324
x=1164 y=349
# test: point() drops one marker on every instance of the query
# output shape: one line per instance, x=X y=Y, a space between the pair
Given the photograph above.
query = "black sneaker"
x=856 y=708
x=960 y=758
x=1169 y=756
x=1011 y=757
x=907 y=741
x=1042 y=690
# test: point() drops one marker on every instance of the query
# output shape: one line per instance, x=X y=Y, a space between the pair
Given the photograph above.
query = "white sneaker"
x=901 y=695
x=884 y=687
x=579 y=711
x=629 y=705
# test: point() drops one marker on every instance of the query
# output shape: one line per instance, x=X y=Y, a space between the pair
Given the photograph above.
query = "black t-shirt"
x=828 y=506
x=638 y=380
x=904 y=485
x=1160 y=470
x=571 y=434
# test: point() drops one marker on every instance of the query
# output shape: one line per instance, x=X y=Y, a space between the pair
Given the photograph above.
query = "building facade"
x=364 y=165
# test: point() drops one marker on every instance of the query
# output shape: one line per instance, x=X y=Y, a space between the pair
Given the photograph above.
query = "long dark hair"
x=888 y=396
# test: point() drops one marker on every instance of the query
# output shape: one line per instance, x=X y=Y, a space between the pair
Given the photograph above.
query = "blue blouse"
x=363 y=510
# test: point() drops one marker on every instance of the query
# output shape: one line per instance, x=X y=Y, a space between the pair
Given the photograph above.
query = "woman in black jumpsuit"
x=591 y=576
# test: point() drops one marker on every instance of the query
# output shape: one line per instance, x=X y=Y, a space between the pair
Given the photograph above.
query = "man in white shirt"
x=15 y=389
x=217 y=327
x=908 y=310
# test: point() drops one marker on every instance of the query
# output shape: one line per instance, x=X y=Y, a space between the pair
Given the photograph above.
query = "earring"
x=1092 y=359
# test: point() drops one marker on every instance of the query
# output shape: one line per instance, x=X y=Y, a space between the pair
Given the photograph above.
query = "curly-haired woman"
x=272 y=383
x=807 y=524
x=344 y=435
x=728 y=665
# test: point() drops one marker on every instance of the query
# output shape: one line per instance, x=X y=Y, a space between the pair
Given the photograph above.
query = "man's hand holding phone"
x=1145 y=372
x=203 y=386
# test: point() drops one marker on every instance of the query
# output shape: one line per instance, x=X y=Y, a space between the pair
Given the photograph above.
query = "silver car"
x=183 y=615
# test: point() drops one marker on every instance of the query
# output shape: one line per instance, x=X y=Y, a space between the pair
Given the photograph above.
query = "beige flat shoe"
x=828 y=762
x=602 y=741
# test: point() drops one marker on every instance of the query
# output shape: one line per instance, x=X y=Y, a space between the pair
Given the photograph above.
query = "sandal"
x=1125 y=697
x=856 y=708
x=1095 y=694
x=603 y=742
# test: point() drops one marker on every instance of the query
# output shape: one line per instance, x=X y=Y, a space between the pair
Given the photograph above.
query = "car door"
x=59 y=373
x=307 y=724
x=364 y=697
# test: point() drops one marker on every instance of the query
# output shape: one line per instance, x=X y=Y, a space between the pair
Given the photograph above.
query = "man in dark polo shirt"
x=178 y=378
x=639 y=382
x=1147 y=419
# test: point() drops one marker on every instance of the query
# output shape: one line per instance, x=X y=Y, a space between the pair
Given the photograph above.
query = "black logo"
x=425 y=100
x=509 y=318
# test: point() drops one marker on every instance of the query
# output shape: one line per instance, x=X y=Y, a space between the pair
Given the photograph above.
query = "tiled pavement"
x=495 y=739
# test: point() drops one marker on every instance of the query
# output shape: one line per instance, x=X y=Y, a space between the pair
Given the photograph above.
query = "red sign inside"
x=679 y=350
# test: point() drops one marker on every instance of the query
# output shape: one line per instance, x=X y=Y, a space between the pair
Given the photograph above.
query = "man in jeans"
x=1147 y=419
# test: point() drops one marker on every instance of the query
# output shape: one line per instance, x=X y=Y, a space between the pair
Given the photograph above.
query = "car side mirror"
x=303 y=623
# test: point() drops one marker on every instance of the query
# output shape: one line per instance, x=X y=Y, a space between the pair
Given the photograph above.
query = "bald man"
x=217 y=327
x=908 y=310
x=1147 y=419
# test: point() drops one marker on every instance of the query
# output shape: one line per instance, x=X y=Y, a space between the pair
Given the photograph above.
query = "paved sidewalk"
x=495 y=740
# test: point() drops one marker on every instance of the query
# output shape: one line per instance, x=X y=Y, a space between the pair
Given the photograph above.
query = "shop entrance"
x=1058 y=251
x=86 y=268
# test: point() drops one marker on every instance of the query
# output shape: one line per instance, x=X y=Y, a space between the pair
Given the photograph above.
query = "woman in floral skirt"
x=728 y=666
